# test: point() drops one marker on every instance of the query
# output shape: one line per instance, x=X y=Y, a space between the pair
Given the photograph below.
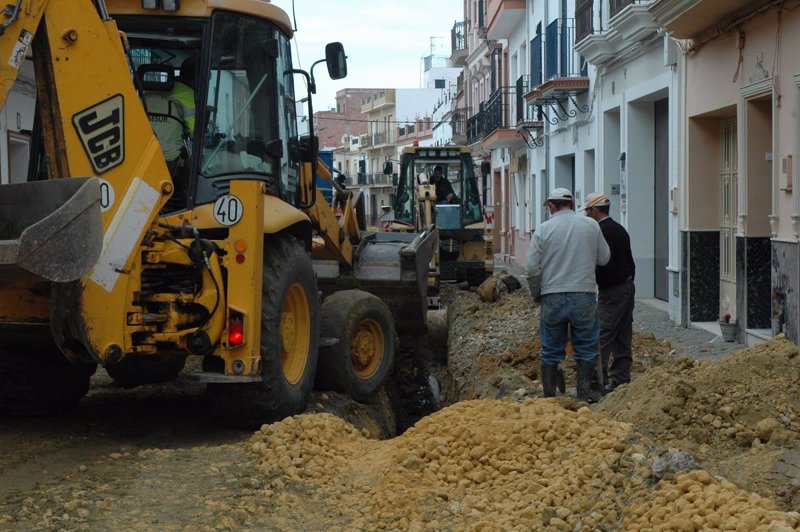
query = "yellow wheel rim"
x=366 y=348
x=295 y=333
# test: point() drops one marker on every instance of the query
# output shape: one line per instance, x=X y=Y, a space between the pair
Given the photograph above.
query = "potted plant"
x=727 y=328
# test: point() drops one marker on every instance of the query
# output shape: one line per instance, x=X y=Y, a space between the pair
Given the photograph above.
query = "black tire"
x=289 y=293
x=363 y=358
x=146 y=369
x=40 y=382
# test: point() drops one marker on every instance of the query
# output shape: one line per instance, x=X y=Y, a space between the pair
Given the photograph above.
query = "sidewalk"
x=696 y=343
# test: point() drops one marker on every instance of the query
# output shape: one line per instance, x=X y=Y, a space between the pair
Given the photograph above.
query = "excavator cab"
x=233 y=117
x=465 y=248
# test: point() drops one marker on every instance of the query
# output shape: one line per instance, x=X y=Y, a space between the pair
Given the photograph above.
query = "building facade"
x=740 y=224
x=635 y=101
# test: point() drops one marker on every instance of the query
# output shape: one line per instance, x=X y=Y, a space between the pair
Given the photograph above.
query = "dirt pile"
x=740 y=416
x=501 y=465
x=494 y=347
x=484 y=464
x=491 y=345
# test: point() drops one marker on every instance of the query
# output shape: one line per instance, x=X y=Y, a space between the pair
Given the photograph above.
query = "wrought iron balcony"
x=499 y=124
x=559 y=57
x=536 y=61
x=458 y=124
x=476 y=126
x=378 y=139
x=482 y=18
x=458 y=43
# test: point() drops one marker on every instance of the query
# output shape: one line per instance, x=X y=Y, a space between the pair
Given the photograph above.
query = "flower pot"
x=728 y=331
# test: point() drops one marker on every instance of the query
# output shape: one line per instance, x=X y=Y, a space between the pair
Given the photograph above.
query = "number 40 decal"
x=228 y=210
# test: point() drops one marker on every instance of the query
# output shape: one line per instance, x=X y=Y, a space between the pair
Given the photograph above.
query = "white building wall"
x=448 y=74
x=628 y=92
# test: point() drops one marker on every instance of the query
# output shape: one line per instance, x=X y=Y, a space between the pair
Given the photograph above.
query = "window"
x=439 y=84
x=243 y=115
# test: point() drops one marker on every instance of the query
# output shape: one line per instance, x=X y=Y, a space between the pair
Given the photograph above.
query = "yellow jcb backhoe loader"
x=175 y=213
x=465 y=252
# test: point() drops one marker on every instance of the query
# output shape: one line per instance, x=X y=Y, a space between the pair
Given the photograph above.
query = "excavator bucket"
x=394 y=266
x=50 y=230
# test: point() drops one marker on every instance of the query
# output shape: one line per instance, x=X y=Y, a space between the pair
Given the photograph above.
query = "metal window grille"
x=729 y=177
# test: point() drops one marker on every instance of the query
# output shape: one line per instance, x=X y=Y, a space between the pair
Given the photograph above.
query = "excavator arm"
x=339 y=237
x=94 y=127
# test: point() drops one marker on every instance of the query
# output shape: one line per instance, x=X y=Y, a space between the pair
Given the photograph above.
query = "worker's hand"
x=535 y=289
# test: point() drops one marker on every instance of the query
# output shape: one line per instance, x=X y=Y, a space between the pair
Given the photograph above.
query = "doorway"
x=661 y=200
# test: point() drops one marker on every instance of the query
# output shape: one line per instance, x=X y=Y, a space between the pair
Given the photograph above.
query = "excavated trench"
x=488 y=452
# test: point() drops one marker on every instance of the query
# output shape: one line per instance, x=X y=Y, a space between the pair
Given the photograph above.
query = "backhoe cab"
x=199 y=229
x=465 y=247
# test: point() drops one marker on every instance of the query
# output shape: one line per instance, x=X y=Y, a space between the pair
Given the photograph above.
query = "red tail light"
x=236 y=331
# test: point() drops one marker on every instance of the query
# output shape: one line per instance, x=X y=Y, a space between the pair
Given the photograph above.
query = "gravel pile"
x=502 y=465
x=740 y=415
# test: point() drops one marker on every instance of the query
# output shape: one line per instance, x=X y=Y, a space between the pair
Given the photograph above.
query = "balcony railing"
x=458 y=122
x=615 y=6
x=536 y=61
x=378 y=138
x=584 y=19
x=476 y=126
x=559 y=58
x=458 y=41
x=497 y=111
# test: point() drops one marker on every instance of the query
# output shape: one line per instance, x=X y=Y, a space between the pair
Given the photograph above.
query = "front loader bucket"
x=394 y=266
x=50 y=230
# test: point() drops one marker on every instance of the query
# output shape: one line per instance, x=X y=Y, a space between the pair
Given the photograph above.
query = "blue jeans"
x=579 y=311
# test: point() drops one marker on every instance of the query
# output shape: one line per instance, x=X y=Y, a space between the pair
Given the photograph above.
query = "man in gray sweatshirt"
x=561 y=277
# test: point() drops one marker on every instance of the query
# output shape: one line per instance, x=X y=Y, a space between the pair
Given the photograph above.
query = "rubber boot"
x=561 y=382
x=586 y=369
x=549 y=377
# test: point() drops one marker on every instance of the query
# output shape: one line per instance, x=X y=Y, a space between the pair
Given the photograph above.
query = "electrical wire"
x=216 y=303
x=213 y=280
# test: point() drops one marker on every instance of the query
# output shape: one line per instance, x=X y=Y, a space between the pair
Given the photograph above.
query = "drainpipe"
x=683 y=190
x=547 y=124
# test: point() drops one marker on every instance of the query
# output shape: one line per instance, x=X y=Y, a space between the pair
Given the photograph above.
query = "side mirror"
x=336 y=60
x=387 y=168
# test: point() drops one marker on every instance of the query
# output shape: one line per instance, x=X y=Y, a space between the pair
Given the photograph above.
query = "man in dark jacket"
x=444 y=190
x=616 y=295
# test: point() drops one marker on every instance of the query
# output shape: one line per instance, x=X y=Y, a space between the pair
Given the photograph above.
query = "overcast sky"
x=384 y=40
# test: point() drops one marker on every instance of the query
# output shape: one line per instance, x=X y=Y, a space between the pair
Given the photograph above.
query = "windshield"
x=240 y=117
